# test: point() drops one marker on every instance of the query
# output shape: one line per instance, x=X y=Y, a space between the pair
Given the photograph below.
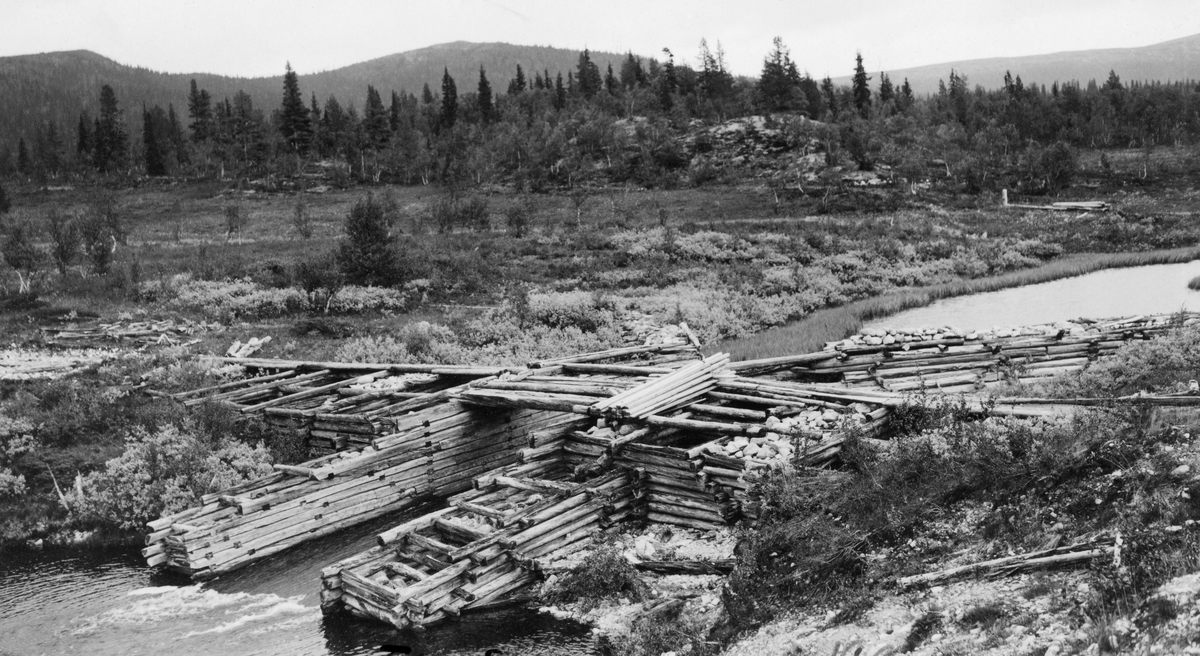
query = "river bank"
x=830 y=324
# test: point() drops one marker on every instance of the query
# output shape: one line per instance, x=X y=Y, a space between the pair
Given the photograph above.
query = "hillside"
x=58 y=85
x=1178 y=59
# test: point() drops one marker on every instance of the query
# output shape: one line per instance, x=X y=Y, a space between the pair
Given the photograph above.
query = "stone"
x=1181 y=472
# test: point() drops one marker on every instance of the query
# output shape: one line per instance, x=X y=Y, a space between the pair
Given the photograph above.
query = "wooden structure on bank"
x=953 y=361
x=536 y=461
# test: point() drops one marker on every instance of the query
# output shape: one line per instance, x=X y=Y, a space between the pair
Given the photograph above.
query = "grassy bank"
x=811 y=332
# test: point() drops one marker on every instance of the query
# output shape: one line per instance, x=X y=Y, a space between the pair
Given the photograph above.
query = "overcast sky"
x=257 y=37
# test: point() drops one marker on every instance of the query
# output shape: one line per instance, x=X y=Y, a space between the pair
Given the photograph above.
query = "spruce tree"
x=779 y=82
x=375 y=120
x=632 y=73
x=449 y=100
x=860 y=88
x=24 y=166
x=484 y=96
x=886 y=90
x=294 y=122
x=112 y=141
x=588 y=77
x=610 y=81
x=517 y=84
x=427 y=95
x=175 y=135
x=201 y=114
x=830 y=93
x=5 y=204
x=560 y=93
x=394 y=113
x=151 y=146
x=83 y=140
x=367 y=255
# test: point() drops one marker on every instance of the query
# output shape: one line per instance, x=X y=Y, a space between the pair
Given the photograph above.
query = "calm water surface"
x=1153 y=289
x=102 y=602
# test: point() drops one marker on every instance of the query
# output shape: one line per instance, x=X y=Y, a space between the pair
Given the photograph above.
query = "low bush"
x=603 y=575
x=163 y=471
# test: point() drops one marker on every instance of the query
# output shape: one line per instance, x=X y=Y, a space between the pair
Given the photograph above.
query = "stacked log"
x=667 y=393
x=490 y=542
x=433 y=452
x=951 y=360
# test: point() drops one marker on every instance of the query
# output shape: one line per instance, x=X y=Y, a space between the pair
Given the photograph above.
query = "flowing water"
x=1152 y=289
x=107 y=602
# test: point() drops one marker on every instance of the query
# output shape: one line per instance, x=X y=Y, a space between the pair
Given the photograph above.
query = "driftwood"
x=1045 y=559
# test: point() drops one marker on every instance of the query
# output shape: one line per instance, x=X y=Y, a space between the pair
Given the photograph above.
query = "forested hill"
x=57 y=86
x=1176 y=60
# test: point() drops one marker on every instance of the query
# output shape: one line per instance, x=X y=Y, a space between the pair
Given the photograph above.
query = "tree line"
x=618 y=125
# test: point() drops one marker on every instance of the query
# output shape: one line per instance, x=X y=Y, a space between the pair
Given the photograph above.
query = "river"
x=107 y=602
x=1151 y=289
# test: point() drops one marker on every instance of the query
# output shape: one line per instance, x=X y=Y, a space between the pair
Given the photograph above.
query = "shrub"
x=11 y=485
x=517 y=217
x=21 y=254
x=1194 y=283
x=473 y=213
x=603 y=574
x=99 y=242
x=321 y=279
x=161 y=472
x=237 y=299
x=236 y=220
x=367 y=254
x=64 y=233
x=301 y=221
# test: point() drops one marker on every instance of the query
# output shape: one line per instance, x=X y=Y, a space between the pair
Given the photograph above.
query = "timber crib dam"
x=530 y=464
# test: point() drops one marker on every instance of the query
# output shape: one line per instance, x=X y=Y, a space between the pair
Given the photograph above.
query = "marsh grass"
x=830 y=324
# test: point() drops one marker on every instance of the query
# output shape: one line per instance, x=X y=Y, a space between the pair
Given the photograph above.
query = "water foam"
x=197 y=605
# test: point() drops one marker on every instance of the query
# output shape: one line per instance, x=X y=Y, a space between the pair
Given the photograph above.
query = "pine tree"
x=517 y=84
x=906 y=93
x=5 y=204
x=24 y=166
x=560 y=93
x=427 y=95
x=449 y=100
x=484 y=96
x=860 y=87
x=294 y=122
x=538 y=84
x=200 y=113
x=610 y=81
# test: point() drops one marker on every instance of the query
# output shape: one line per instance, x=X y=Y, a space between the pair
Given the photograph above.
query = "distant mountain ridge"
x=1175 y=60
x=58 y=85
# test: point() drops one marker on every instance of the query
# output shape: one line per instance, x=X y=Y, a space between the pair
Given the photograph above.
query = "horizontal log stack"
x=490 y=542
x=403 y=450
x=951 y=360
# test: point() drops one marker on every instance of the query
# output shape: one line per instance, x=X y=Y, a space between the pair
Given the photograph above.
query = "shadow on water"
x=105 y=601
